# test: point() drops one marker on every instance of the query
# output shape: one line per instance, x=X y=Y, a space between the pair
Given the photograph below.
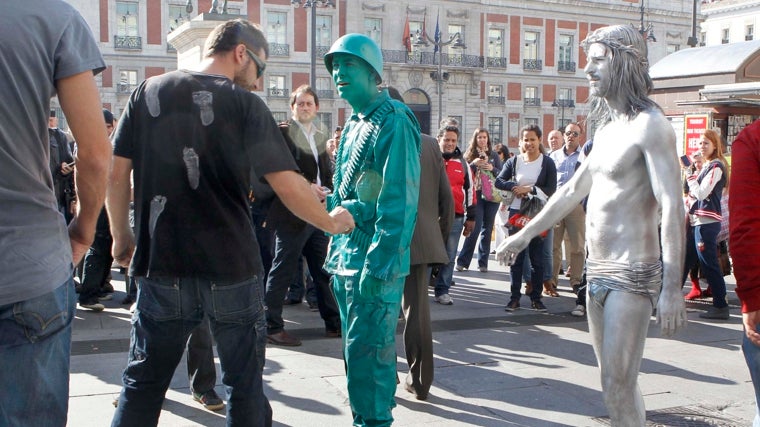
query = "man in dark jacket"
x=292 y=236
x=435 y=214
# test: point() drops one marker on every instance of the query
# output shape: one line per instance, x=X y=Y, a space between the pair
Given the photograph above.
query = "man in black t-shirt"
x=192 y=138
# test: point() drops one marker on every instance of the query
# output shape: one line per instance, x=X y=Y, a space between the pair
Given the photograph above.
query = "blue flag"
x=437 y=33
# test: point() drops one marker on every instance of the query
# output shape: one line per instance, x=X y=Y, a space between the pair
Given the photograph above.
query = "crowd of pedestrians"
x=214 y=207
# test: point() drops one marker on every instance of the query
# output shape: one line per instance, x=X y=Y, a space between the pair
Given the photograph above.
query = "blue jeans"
x=35 y=343
x=708 y=259
x=535 y=251
x=547 y=257
x=445 y=272
x=485 y=214
x=168 y=309
x=752 y=357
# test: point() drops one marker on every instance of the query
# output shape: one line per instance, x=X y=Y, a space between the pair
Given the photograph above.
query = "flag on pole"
x=424 y=26
x=407 y=37
x=437 y=33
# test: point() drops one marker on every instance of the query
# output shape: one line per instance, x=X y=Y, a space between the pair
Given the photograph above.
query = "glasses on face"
x=260 y=65
x=572 y=133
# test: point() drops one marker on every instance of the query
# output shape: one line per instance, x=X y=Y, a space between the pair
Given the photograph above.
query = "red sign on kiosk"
x=694 y=127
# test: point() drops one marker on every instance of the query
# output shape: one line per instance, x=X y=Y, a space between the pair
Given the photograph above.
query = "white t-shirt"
x=527 y=174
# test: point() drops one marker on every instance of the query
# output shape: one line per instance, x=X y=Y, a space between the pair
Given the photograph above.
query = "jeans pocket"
x=159 y=299
x=46 y=315
x=239 y=302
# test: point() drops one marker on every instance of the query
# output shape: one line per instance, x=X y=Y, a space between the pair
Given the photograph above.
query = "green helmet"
x=357 y=45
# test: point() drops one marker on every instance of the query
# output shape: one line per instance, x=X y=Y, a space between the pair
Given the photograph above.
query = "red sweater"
x=744 y=223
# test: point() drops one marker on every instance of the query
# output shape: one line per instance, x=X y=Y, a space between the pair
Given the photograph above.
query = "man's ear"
x=239 y=53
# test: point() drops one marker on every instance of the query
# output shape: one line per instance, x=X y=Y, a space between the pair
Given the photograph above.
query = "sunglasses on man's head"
x=572 y=133
x=260 y=65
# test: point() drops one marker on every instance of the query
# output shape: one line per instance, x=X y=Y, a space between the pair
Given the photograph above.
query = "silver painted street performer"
x=632 y=180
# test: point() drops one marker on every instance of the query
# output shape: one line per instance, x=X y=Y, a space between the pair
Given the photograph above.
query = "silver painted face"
x=598 y=69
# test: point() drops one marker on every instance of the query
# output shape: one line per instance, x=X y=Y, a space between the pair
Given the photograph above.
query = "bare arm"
x=294 y=191
x=659 y=150
x=117 y=204
x=559 y=206
x=80 y=101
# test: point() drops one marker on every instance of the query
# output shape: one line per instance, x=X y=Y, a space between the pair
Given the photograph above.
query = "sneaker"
x=460 y=268
x=210 y=400
x=512 y=306
x=713 y=312
x=95 y=306
x=444 y=299
x=579 y=311
x=483 y=269
x=537 y=305
x=104 y=296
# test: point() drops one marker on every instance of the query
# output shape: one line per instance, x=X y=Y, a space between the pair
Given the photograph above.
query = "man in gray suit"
x=435 y=214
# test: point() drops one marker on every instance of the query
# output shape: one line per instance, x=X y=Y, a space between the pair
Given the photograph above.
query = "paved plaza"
x=493 y=368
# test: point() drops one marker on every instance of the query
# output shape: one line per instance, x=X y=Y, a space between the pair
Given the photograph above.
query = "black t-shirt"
x=193 y=139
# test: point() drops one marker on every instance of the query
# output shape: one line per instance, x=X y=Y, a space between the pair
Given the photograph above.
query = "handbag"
x=488 y=189
x=529 y=208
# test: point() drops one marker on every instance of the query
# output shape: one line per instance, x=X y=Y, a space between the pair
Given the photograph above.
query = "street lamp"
x=455 y=40
x=313 y=5
x=562 y=103
x=648 y=31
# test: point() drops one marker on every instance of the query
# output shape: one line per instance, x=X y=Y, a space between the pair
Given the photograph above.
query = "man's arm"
x=659 y=150
x=80 y=101
x=118 y=197
x=744 y=232
x=295 y=192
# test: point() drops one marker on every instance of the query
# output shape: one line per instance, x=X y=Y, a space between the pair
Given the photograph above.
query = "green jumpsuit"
x=377 y=179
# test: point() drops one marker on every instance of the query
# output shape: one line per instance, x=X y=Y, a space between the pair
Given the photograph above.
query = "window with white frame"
x=373 y=28
x=276 y=86
x=324 y=122
x=495 y=43
x=724 y=34
x=672 y=48
x=176 y=17
x=453 y=29
x=531 y=96
x=496 y=129
x=277 y=27
x=496 y=94
x=127 y=81
x=529 y=121
x=126 y=19
x=566 y=60
x=324 y=30
x=280 y=116
x=414 y=28
x=531 y=45
x=749 y=32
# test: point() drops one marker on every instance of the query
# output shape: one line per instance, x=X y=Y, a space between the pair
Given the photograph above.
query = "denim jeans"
x=445 y=272
x=35 y=343
x=535 y=251
x=168 y=309
x=201 y=370
x=708 y=259
x=485 y=214
x=752 y=357
x=547 y=257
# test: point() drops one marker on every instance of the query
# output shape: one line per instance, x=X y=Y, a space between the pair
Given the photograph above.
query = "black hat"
x=107 y=116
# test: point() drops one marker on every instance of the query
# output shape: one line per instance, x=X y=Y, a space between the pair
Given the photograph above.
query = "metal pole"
x=313 y=45
x=440 y=84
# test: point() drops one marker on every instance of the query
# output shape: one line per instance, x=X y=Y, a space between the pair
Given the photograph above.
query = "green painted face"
x=354 y=79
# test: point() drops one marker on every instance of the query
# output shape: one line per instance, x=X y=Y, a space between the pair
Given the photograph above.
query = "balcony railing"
x=127 y=42
x=125 y=87
x=496 y=100
x=566 y=103
x=326 y=94
x=430 y=58
x=748 y=37
x=276 y=92
x=532 y=102
x=568 y=66
x=322 y=51
x=493 y=62
x=532 y=64
x=279 y=49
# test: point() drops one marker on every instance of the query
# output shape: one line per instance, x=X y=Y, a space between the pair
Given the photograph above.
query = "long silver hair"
x=629 y=71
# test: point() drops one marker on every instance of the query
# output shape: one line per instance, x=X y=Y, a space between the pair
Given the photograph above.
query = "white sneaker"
x=94 y=306
x=444 y=299
x=578 y=311
x=460 y=268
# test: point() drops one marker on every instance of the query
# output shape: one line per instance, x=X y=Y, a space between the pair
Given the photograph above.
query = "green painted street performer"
x=376 y=178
